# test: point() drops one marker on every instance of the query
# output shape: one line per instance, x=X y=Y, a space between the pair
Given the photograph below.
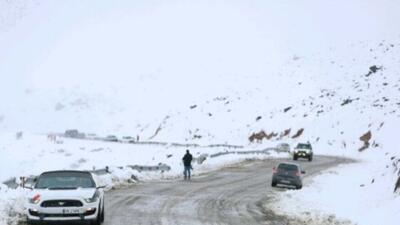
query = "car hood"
x=303 y=149
x=81 y=193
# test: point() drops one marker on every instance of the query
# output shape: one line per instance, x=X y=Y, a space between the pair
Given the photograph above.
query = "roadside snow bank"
x=360 y=192
x=34 y=154
x=11 y=205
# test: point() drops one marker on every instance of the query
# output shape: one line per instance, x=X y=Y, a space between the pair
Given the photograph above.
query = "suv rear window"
x=65 y=180
x=288 y=167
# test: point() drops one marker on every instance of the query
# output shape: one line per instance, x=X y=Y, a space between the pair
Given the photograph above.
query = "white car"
x=127 y=139
x=283 y=147
x=65 y=196
x=92 y=136
x=303 y=150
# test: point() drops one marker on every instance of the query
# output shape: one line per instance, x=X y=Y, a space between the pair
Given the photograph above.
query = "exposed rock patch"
x=287 y=109
x=365 y=138
x=298 y=133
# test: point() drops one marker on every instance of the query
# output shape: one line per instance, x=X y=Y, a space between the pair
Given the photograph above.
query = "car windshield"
x=304 y=146
x=287 y=167
x=65 y=180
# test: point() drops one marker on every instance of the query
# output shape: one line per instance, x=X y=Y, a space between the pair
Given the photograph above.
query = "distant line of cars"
x=288 y=173
x=74 y=133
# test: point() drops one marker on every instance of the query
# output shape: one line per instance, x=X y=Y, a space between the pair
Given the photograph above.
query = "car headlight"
x=94 y=198
x=35 y=199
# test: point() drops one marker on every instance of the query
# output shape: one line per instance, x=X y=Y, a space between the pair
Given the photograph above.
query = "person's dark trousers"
x=186 y=172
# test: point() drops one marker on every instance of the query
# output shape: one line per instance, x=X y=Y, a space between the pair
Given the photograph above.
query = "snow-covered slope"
x=123 y=69
x=207 y=73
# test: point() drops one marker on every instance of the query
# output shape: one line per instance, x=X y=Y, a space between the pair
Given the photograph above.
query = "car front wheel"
x=99 y=218
x=102 y=216
x=30 y=222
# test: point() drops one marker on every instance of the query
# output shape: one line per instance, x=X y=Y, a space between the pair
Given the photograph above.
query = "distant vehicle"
x=65 y=196
x=92 y=136
x=111 y=138
x=127 y=139
x=73 y=133
x=287 y=174
x=303 y=150
x=283 y=147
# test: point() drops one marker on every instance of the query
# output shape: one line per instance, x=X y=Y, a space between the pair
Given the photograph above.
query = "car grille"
x=302 y=153
x=61 y=203
x=61 y=215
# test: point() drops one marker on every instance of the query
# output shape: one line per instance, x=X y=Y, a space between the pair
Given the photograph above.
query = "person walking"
x=187 y=163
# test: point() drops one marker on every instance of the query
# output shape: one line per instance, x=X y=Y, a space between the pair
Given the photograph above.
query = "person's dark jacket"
x=187 y=159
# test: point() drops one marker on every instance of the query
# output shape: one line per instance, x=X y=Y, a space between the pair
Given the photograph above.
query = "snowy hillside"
x=107 y=70
x=206 y=73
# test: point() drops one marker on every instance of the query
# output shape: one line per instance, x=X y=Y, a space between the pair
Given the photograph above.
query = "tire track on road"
x=234 y=196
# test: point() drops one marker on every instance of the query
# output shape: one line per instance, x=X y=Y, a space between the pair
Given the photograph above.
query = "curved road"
x=233 y=195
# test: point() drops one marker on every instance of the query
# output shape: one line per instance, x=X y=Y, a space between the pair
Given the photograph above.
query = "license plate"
x=70 y=211
x=285 y=181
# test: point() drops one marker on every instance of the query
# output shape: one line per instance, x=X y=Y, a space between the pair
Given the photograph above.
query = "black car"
x=303 y=150
x=287 y=174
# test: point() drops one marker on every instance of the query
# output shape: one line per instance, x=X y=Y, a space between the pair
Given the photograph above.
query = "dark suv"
x=287 y=174
x=303 y=150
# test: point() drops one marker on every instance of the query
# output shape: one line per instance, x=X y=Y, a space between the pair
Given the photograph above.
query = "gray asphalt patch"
x=234 y=195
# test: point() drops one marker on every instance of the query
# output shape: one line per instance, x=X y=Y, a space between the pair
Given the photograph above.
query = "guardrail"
x=160 y=143
x=160 y=167
x=11 y=183
x=264 y=151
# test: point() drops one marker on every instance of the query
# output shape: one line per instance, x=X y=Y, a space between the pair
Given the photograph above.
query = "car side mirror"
x=303 y=172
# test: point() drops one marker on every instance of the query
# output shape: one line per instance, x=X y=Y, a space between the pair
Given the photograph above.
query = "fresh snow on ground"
x=361 y=192
x=345 y=193
x=34 y=154
x=140 y=69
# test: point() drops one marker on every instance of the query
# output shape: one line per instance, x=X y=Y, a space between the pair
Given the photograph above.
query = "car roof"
x=66 y=171
x=289 y=163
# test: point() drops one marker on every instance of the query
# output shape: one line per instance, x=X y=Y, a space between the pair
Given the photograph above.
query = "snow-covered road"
x=233 y=195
